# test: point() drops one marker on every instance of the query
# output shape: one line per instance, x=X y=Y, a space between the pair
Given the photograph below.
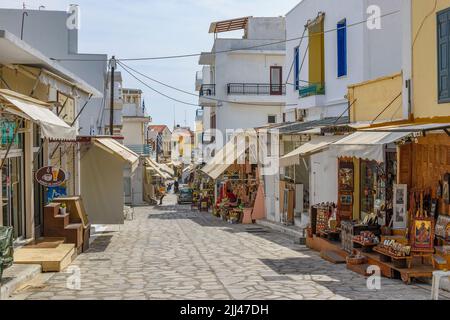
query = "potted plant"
x=62 y=209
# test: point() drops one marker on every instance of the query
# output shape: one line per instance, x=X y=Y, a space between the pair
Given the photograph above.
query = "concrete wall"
x=46 y=31
x=133 y=132
x=425 y=65
x=370 y=98
x=323 y=177
x=370 y=53
x=266 y=28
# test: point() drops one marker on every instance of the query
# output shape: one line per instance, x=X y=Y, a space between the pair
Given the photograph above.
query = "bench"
x=6 y=248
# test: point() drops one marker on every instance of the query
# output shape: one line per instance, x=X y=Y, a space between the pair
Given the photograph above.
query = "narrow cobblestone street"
x=170 y=252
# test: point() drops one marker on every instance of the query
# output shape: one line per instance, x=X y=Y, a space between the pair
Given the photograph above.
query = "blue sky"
x=143 y=28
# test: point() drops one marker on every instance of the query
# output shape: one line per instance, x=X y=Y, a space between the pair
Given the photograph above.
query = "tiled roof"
x=158 y=128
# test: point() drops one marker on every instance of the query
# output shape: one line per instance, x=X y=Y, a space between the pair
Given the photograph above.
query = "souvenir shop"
x=238 y=194
x=393 y=205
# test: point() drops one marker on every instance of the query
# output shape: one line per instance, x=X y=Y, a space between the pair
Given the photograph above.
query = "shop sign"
x=50 y=176
x=7 y=129
x=56 y=192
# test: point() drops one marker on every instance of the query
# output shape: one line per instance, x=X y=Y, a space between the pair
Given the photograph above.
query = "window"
x=296 y=67
x=443 y=28
x=342 y=48
x=272 y=119
x=276 y=80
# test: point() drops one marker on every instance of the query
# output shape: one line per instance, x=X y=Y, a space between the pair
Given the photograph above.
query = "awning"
x=411 y=127
x=155 y=166
x=225 y=157
x=112 y=146
x=367 y=145
x=164 y=167
x=38 y=112
x=317 y=143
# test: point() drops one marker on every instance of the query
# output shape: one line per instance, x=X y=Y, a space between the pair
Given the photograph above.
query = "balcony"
x=256 y=89
x=141 y=149
x=312 y=90
x=208 y=90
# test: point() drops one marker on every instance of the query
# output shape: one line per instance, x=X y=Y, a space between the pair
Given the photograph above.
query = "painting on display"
x=422 y=235
x=56 y=192
x=346 y=176
x=400 y=218
x=446 y=189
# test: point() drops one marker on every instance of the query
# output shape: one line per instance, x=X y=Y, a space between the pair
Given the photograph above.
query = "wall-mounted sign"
x=55 y=192
x=50 y=176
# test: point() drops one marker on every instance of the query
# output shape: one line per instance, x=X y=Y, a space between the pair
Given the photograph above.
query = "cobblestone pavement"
x=170 y=252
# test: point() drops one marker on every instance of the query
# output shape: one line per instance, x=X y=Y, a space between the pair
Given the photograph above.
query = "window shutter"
x=342 y=48
x=297 y=67
x=443 y=56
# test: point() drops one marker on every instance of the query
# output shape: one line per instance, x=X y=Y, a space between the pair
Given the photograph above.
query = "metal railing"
x=208 y=90
x=256 y=89
x=314 y=89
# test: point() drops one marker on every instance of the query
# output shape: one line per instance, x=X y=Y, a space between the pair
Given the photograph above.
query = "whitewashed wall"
x=370 y=53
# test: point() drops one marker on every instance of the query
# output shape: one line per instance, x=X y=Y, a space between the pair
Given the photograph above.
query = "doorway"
x=276 y=81
x=12 y=196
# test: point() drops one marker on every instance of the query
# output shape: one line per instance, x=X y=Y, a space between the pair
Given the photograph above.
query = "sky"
x=148 y=28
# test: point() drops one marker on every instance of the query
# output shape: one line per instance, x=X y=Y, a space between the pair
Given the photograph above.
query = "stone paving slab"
x=171 y=252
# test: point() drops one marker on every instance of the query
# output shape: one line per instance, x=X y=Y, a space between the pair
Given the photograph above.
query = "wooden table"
x=364 y=246
x=399 y=262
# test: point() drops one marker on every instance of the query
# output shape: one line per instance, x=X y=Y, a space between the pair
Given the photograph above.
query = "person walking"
x=162 y=191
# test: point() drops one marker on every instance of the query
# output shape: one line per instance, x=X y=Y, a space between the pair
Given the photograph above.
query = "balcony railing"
x=208 y=90
x=312 y=90
x=141 y=149
x=256 y=89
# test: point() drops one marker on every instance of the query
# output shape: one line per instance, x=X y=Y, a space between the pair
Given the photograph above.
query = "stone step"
x=16 y=276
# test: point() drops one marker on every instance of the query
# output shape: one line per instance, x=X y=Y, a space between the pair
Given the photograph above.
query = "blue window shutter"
x=297 y=67
x=443 y=40
x=342 y=48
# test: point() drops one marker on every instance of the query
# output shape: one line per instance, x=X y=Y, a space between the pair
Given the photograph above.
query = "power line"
x=159 y=92
x=128 y=69
x=229 y=50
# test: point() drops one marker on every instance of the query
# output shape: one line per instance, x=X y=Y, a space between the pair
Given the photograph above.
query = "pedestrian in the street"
x=162 y=191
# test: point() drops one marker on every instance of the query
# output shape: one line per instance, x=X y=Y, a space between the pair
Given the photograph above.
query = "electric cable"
x=226 y=51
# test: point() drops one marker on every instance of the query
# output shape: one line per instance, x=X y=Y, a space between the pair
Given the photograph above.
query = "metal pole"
x=111 y=111
x=23 y=18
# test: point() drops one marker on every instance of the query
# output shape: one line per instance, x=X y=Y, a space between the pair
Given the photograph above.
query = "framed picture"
x=400 y=218
x=346 y=173
x=445 y=189
x=422 y=235
x=346 y=200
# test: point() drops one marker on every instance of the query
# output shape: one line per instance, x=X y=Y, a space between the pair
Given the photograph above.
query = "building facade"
x=241 y=84
x=61 y=43
x=341 y=43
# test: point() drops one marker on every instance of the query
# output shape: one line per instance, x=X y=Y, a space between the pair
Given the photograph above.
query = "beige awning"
x=317 y=144
x=367 y=145
x=156 y=166
x=164 y=167
x=112 y=146
x=225 y=158
x=38 y=112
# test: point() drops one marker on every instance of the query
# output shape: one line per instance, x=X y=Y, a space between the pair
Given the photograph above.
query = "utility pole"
x=111 y=106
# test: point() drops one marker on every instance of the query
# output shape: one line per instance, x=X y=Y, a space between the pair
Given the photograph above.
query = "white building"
x=105 y=114
x=337 y=44
x=241 y=84
x=134 y=130
x=342 y=46
x=47 y=32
